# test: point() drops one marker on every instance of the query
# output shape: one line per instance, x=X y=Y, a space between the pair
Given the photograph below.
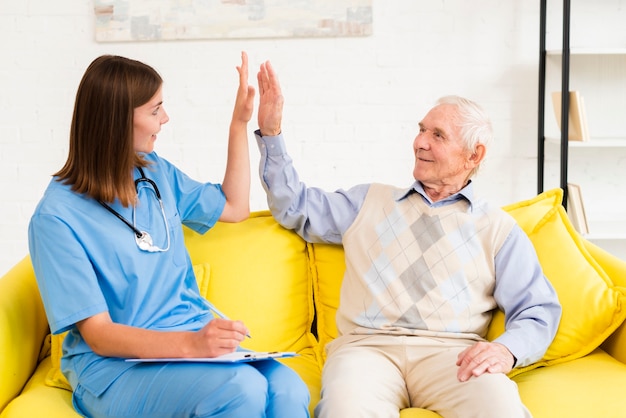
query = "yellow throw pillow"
x=55 y=377
x=592 y=306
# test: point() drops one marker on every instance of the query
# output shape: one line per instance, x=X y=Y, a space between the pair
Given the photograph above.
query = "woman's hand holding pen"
x=220 y=336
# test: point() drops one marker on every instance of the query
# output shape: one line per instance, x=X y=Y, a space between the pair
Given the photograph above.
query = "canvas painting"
x=153 y=20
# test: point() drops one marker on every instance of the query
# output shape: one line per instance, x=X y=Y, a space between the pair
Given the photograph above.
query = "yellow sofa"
x=286 y=291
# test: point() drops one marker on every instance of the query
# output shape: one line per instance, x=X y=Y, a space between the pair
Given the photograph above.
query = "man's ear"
x=478 y=155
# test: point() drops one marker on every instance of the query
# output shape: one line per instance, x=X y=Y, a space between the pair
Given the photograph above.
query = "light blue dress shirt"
x=522 y=291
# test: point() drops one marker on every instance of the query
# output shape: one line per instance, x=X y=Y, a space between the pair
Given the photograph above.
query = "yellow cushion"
x=260 y=275
x=328 y=265
x=55 y=377
x=592 y=305
x=592 y=386
x=37 y=399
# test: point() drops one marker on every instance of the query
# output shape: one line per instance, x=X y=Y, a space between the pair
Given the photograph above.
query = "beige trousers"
x=376 y=376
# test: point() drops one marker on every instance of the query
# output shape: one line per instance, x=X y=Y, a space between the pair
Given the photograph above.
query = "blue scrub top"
x=86 y=261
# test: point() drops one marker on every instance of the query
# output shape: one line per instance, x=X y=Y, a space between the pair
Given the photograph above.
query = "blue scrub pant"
x=163 y=390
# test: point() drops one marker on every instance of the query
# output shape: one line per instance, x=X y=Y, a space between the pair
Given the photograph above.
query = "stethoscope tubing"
x=143 y=177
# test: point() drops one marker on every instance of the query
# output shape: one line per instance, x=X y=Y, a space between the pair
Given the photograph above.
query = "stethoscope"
x=143 y=238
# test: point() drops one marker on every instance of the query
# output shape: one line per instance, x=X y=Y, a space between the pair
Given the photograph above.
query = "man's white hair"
x=474 y=123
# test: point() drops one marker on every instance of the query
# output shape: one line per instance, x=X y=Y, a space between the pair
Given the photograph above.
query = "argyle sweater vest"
x=412 y=269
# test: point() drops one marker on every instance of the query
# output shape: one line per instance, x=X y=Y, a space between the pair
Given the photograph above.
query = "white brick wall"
x=352 y=104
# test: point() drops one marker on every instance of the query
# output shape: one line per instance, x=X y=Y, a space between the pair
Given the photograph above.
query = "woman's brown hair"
x=101 y=155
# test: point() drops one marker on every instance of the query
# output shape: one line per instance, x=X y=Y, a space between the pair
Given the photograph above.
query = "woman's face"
x=147 y=121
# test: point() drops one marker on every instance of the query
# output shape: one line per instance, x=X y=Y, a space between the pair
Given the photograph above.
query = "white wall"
x=352 y=104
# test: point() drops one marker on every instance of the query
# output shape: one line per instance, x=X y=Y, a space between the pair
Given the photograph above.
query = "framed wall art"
x=154 y=20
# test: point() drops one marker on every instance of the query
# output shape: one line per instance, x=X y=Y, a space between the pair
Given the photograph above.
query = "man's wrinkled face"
x=440 y=154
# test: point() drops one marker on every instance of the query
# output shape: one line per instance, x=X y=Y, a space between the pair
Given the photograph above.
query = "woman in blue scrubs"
x=108 y=252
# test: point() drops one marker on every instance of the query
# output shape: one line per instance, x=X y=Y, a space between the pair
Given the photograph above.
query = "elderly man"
x=425 y=268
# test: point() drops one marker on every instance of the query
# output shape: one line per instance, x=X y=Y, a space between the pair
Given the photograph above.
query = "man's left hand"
x=484 y=357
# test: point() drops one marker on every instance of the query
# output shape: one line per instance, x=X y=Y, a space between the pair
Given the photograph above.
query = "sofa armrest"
x=23 y=329
x=615 y=267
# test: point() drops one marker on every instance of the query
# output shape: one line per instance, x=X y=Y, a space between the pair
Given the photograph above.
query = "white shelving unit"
x=599 y=74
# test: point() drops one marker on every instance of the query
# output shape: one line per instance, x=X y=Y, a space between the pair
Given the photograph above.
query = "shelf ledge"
x=593 y=143
x=589 y=51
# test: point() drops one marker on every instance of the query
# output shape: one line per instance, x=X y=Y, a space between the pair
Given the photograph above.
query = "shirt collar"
x=466 y=193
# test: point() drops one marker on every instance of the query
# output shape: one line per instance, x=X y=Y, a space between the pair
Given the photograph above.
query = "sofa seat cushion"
x=591 y=386
x=40 y=400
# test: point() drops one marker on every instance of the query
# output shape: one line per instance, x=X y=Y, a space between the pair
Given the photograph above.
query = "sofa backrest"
x=258 y=272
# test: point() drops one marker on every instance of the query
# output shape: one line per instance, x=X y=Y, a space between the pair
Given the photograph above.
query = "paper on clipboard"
x=236 y=357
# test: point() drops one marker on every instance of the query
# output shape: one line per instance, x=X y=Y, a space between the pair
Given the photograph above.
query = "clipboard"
x=236 y=357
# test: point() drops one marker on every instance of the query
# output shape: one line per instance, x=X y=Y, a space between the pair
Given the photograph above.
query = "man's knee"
x=486 y=396
x=347 y=398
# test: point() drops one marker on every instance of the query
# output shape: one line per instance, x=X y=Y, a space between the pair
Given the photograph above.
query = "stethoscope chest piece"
x=144 y=242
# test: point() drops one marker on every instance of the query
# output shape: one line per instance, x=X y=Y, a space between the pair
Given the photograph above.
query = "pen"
x=221 y=315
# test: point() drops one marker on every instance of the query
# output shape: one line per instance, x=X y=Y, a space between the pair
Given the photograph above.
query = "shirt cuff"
x=275 y=145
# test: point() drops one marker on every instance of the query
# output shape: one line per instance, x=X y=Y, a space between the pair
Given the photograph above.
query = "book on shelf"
x=578 y=129
x=576 y=209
